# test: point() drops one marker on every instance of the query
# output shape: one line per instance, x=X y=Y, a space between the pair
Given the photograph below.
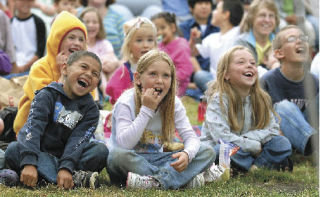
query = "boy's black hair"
x=57 y=1
x=75 y=56
x=85 y=2
x=235 y=8
x=191 y=3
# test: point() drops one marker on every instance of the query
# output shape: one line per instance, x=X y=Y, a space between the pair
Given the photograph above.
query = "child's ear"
x=226 y=15
x=173 y=27
x=227 y=77
x=63 y=69
x=278 y=53
x=136 y=77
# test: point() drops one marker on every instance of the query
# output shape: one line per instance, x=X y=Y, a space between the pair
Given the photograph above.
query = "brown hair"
x=261 y=101
x=101 y=34
x=167 y=105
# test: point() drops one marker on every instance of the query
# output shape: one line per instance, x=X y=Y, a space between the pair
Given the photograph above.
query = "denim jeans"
x=294 y=125
x=122 y=161
x=1 y=159
x=273 y=152
x=93 y=158
x=201 y=78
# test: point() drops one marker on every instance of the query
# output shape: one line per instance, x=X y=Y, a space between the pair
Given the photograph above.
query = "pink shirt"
x=180 y=53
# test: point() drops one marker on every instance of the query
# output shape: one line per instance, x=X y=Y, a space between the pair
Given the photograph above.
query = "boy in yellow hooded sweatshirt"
x=68 y=34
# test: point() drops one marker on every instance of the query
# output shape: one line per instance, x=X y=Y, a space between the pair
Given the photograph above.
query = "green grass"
x=303 y=181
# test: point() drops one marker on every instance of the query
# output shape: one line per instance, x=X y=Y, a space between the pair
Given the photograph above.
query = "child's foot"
x=141 y=182
x=86 y=179
x=197 y=181
x=9 y=177
x=215 y=173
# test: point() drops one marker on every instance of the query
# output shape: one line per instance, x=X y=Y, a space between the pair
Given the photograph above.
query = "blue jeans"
x=122 y=161
x=1 y=159
x=201 y=79
x=273 y=152
x=294 y=125
x=93 y=158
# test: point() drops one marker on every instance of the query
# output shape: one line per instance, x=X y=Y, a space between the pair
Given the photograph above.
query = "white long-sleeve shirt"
x=217 y=127
x=127 y=128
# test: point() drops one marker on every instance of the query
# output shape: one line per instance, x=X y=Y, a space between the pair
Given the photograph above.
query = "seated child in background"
x=269 y=62
x=241 y=113
x=140 y=37
x=99 y=45
x=68 y=34
x=142 y=152
x=177 y=47
x=227 y=16
x=54 y=143
x=57 y=7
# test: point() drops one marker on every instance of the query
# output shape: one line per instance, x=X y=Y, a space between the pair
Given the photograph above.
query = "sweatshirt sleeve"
x=30 y=135
x=129 y=132
x=182 y=124
x=79 y=138
x=217 y=126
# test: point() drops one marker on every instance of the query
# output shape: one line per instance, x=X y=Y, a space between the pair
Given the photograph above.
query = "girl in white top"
x=142 y=151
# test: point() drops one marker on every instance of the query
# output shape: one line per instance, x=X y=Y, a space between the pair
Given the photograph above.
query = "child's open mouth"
x=300 y=50
x=82 y=83
x=248 y=74
x=158 y=90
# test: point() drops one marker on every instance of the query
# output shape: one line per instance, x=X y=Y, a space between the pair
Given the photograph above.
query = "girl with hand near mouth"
x=140 y=38
x=241 y=113
x=143 y=124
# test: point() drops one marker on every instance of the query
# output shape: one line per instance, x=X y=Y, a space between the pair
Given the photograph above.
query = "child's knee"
x=207 y=152
x=286 y=106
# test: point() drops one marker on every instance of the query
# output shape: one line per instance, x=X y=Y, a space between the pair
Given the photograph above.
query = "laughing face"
x=242 y=72
x=264 y=22
x=91 y=21
x=295 y=48
x=81 y=77
x=74 y=41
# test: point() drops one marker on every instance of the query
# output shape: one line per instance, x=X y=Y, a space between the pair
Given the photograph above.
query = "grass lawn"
x=303 y=181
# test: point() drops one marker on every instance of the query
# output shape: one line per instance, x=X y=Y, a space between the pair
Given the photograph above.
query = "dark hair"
x=57 y=1
x=75 y=56
x=169 y=18
x=235 y=8
x=191 y=3
x=108 y=2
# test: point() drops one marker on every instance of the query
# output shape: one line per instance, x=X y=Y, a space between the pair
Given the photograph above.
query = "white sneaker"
x=141 y=182
x=197 y=181
x=215 y=173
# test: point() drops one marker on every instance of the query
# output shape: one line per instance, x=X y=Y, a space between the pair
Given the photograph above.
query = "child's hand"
x=61 y=59
x=29 y=175
x=195 y=34
x=64 y=179
x=150 y=98
x=182 y=163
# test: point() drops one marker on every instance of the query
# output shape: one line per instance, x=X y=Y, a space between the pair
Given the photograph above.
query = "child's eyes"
x=96 y=74
x=150 y=40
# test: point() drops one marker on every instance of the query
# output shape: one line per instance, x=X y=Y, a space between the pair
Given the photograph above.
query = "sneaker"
x=215 y=173
x=9 y=177
x=86 y=179
x=141 y=182
x=197 y=181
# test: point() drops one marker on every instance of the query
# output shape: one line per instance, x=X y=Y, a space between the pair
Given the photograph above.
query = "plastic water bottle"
x=202 y=107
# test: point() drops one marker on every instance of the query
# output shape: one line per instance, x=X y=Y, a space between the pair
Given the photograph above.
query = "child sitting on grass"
x=54 y=145
x=240 y=112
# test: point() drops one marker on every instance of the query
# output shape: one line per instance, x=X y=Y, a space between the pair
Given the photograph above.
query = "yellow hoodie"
x=45 y=70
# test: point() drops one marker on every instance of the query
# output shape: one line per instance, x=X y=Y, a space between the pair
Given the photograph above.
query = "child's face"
x=73 y=41
x=164 y=29
x=91 y=20
x=295 y=47
x=66 y=5
x=24 y=7
x=142 y=42
x=264 y=22
x=81 y=77
x=242 y=72
x=202 y=10
x=156 y=76
x=218 y=15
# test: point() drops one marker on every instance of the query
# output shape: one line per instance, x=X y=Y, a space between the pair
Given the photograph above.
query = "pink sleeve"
x=119 y=82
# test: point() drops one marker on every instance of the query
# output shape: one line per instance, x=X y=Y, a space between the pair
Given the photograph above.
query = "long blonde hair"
x=260 y=100
x=166 y=106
